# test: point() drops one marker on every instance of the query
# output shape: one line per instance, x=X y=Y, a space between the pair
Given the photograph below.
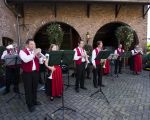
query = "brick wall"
x=37 y=15
x=7 y=23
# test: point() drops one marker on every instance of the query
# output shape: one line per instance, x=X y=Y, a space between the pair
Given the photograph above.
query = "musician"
x=119 y=61
x=12 y=71
x=137 y=59
x=97 y=67
x=54 y=83
x=30 y=75
x=81 y=60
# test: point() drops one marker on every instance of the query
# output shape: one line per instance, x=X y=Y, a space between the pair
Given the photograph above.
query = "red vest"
x=97 y=62
x=78 y=62
x=27 y=67
x=119 y=52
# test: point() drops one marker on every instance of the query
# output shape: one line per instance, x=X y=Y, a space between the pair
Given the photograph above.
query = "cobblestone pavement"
x=128 y=94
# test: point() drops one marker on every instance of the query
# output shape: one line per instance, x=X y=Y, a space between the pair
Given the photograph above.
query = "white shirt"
x=94 y=56
x=27 y=58
x=135 y=52
x=76 y=57
x=4 y=54
x=116 y=53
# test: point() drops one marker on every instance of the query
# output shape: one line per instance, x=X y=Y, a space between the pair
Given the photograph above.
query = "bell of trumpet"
x=103 y=62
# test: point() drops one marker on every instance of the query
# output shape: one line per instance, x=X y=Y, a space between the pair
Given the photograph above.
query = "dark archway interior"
x=6 y=41
x=107 y=35
x=70 y=40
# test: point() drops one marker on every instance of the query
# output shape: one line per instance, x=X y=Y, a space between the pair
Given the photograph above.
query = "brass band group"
x=31 y=58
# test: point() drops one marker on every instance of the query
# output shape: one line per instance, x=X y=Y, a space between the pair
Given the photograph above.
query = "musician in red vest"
x=137 y=59
x=97 y=67
x=81 y=59
x=118 y=61
x=30 y=67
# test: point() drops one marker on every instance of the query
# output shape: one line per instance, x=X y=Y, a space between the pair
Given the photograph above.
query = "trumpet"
x=103 y=62
x=140 y=50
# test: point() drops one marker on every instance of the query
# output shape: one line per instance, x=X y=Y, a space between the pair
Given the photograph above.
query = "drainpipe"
x=17 y=15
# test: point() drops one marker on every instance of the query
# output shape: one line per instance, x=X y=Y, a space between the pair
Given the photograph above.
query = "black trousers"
x=97 y=75
x=118 y=66
x=80 y=75
x=87 y=70
x=48 y=86
x=30 y=85
x=12 y=76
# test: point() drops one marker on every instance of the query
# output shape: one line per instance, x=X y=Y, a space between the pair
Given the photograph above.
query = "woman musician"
x=137 y=59
x=54 y=83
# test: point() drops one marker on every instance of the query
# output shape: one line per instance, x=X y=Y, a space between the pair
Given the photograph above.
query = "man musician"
x=118 y=62
x=12 y=71
x=81 y=60
x=97 y=67
x=30 y=75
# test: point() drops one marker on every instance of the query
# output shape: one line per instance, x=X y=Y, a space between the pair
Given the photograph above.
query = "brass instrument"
x=12 y=49
x=140 y=50
x=103 y=62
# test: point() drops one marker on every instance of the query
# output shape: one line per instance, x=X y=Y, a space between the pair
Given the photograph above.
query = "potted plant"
x=125 y=35
x=55 y=34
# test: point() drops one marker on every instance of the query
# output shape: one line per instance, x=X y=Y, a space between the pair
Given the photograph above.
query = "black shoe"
x=16 y=90
x=84 y=88
x=77 y=90
x=51 y=98
x=6 y=92
x=95 y=86
x=102 y=85
x=37 y=103
x=120 y=72
x=31 y=109
x=88 y=77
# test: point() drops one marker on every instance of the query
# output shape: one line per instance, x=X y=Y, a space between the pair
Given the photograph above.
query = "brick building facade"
x=82 y=17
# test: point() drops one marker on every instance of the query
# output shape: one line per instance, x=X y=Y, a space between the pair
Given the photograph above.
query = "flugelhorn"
x=103 y=62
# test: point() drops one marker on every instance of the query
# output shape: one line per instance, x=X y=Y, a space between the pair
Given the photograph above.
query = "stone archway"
x=70 y=41
x=107 y=34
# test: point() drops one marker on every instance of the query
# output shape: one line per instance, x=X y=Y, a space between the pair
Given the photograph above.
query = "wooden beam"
x=88 y=10
x=55 y=10
x=145 y=10
x=117 y=10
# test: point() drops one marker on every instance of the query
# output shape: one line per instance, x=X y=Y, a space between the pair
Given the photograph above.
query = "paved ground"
x=129 y=97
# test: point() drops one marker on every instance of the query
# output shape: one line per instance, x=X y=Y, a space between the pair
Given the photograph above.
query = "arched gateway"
x=70 y=39
x=107 y=34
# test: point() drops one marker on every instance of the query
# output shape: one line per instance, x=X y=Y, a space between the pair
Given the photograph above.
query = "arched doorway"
x=70 y=40
x=107 y=34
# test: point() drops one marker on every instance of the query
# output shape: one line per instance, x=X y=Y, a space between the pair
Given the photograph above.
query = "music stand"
x=55 y=58
x=125 y=55
x=67 y=59
x=101 y=55
x=13 y=60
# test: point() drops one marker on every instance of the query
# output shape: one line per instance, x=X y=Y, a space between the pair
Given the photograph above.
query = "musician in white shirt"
x=30 y=75
x=97 y=67
x=81 y=59
x=118 y=62
x=12 y=71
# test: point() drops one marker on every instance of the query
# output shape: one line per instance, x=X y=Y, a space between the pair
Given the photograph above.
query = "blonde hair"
x=51 y=46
